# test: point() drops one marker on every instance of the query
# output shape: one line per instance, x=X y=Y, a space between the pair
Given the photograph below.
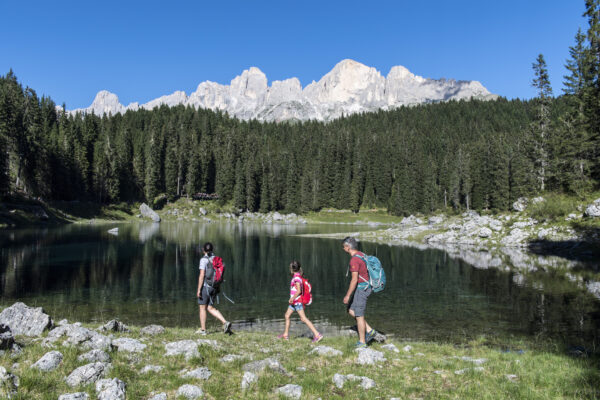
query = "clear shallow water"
x=148 y=274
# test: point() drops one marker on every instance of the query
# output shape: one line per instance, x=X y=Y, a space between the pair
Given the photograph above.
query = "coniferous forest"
x=461 y=155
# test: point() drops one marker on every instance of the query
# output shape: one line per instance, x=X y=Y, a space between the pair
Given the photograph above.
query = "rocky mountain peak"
x=350 y=87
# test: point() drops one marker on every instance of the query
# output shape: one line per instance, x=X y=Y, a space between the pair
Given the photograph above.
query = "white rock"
x=188 y=348
x=129 y=345
x=149 y=213
x=49 y=361
x=94 y=355
x=520 y=205
x=198 y=373
x=340 y=380
x=9 y=383
x=110 y=389
x=248 y=379
x=369 y=356
x=152 y=330
x=87 y=374
x=74 y=396
x=325 y=351
x=485 y=232
x=25 y=320
x=407 y=348
x=391 y=347
x=290 y=391
x=159 y=396
x=151 y=368
x=593 y=210
x=190 y=392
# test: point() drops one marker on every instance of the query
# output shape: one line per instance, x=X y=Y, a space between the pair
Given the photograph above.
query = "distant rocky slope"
x=350 y=87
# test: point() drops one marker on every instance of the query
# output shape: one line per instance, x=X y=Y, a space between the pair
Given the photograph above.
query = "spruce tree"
x=541 y=128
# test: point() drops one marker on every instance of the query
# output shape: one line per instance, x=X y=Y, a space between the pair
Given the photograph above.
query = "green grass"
x=427 y=371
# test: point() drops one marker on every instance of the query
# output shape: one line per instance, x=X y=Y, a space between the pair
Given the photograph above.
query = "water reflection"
x=148 y=274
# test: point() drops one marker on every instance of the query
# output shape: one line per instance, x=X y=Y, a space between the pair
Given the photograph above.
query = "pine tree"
x=171 y=168
x=239 y=191
x=541 y=129
x=591 y=91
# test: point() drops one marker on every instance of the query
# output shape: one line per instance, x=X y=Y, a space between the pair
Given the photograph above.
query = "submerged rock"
x=25 y=320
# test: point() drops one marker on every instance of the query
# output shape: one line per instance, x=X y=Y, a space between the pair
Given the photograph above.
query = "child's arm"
x=298 y=293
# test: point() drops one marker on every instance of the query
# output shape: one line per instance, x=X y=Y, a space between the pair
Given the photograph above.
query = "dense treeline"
x=467 y=154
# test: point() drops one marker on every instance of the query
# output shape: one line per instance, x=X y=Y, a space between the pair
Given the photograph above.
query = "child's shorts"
x=296 y=307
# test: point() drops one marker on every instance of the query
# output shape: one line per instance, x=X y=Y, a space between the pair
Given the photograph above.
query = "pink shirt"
x=297 y=278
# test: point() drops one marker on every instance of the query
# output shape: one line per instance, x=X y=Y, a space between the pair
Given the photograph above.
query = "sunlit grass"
x=428 y=370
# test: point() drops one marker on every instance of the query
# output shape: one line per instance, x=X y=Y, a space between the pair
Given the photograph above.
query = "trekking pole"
x=224 y=295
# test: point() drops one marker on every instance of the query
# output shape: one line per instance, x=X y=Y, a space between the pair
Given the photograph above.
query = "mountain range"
x=350 y=87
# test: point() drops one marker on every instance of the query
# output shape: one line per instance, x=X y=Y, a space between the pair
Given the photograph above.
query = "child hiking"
x=207 y=291
x=295 y=303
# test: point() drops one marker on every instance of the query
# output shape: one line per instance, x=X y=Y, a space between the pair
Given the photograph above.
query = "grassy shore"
x=508 y=369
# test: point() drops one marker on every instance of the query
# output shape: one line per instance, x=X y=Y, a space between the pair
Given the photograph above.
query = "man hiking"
x=358 y=291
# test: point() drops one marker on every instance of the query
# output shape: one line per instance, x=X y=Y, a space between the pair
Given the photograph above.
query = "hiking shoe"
x=360 y=345
x=317 y=339
x=201 y=332
x=371 y=335
x=227 y=327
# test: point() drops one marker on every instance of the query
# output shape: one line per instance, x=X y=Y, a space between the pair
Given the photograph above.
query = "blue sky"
x=69 y=50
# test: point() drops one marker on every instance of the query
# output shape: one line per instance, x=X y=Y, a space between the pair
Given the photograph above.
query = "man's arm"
x=352 y=287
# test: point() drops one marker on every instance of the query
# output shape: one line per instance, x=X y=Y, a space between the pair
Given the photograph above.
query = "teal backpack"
x=376 y=273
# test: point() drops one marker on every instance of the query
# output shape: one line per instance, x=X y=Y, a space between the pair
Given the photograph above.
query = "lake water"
x=149 y=272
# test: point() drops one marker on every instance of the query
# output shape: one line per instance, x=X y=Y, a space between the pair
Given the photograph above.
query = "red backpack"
x=218 y=270
x=306 y=297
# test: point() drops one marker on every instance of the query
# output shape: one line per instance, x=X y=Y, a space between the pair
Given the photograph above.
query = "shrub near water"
x=426 y=370
x=553 y=208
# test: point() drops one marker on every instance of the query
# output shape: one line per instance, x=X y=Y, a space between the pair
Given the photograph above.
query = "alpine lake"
x=148 y=274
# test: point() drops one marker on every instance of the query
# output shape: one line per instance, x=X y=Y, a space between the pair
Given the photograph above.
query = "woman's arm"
x=200 y=282
x=298 y=293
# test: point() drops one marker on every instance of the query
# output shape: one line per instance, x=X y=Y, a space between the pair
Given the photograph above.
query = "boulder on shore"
x=25 y=320
x=149 y=213
x=593 y=210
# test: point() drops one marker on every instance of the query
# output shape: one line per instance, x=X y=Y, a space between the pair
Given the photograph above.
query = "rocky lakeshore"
x=42 y=359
